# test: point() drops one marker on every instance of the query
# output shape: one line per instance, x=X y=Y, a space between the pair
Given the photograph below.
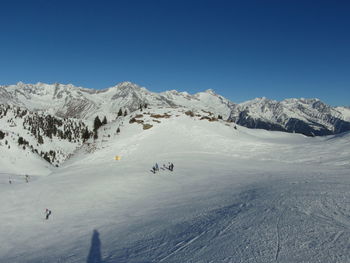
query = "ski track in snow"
x=202 y=238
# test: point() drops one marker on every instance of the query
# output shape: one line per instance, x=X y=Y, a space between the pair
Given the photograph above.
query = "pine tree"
x=40 y=139
x=86 y=134
x=47 y=158
x=125 y=113
x=118 y=130
x=20 y=141
x=2 y=135
x=120 y=112
x=97 y=123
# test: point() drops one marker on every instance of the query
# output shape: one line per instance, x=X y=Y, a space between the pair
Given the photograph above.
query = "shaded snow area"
x=235 y=195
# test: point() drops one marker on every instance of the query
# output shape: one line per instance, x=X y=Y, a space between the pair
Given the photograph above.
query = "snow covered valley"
x=235 y=195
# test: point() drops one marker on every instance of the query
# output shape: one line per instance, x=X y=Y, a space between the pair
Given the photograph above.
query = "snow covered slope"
x=36 y=136
x=16 y=161
x=311 y=117
x=345 y=111
x=235 y=195
x=208 y=100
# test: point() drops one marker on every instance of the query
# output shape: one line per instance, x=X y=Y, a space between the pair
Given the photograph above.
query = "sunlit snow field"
x=235 y=195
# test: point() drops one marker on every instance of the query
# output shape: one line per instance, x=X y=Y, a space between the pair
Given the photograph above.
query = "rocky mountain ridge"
x=68 y=101
x=310 y=117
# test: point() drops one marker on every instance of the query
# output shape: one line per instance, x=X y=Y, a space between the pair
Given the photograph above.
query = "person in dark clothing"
x=171 y=167
x=48 y=213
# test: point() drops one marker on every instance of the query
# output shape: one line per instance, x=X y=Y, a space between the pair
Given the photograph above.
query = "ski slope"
x=235 y=195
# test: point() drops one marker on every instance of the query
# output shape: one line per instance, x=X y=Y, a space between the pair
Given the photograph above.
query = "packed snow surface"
x=235 y=195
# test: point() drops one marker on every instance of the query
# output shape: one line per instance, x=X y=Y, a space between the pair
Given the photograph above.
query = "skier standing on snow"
x=48 y=213
x=157 y=168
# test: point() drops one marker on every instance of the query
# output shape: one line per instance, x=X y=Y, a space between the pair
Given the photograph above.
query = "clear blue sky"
x=241 y=49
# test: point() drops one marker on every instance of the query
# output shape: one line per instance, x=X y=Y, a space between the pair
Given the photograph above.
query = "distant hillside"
x=49 y=138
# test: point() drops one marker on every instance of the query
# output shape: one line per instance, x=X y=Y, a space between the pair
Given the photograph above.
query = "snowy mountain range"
x=310 y=117
x=68 y=101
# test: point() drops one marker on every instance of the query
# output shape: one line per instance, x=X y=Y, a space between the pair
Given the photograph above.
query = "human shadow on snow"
x=95 y=249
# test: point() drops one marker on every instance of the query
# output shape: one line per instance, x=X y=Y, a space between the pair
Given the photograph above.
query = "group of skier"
x=26 y=178
x=155 y=168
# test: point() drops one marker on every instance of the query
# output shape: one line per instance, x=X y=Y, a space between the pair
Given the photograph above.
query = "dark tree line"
x=97 y=124
x=3 y=110
x=45 y=127
x=50 y=126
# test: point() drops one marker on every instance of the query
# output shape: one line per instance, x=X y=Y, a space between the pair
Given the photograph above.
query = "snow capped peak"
x=177 y=93
x=210 y=91
x=257 y=101
x=125 y=84
x=125 y=87
x=301 y=101
x=173 y=91
x=20 y=84
x=40 y=86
